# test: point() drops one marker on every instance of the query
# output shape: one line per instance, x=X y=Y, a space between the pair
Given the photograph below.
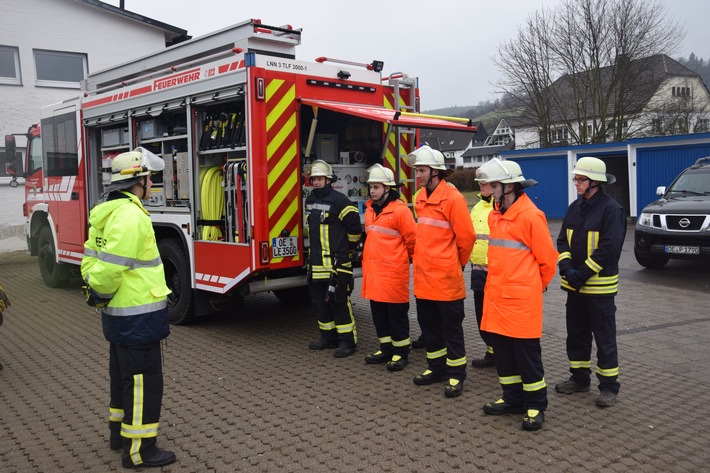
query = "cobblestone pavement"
x=243 y=392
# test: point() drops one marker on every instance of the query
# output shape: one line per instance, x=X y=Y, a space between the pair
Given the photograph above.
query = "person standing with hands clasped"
x=445 y=238
x=479 y=266
x=125 y=280
x=589 y=243
x=391 y=233
x=333 y=229
x=521 y=263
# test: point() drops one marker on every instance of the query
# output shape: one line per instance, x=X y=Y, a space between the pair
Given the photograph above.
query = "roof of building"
x=645 y=74
x=173 y=34
x=449 y=140
x=486 y=150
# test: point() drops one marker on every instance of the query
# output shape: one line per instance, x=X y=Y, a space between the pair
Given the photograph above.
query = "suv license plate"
x=683 y=250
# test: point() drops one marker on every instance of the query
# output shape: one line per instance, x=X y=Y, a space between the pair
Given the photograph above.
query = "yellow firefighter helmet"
x=426 y=156
x=321 y=168
x=379 y=173
x=136 y=163
x=594 y=169
x=505 y=172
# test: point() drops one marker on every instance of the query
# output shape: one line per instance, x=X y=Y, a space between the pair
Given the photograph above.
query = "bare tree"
x=577 y=66
x=526 y=62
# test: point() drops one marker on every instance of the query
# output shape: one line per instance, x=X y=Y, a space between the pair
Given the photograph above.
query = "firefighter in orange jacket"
x=391 y=233
x=445 y=238
x=521 y=263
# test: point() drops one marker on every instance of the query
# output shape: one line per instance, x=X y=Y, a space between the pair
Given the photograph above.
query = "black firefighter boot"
x=150 y=456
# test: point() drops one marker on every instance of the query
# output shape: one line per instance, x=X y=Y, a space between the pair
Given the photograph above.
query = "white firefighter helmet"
x=321 y=168
x=379 y=173
x=426 y=156
x=594 y=169
x=505 y=172
x=126 y=167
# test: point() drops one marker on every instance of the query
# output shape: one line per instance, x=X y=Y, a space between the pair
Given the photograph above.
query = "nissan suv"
x=677 y=225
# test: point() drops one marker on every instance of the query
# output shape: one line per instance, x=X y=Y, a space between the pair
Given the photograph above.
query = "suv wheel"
x=650 y=262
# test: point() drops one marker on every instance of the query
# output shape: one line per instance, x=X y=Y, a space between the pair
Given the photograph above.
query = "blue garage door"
x=550 y=195
x=659 y=166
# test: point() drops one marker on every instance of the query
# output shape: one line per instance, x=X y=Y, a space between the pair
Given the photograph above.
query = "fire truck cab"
x=237 y=119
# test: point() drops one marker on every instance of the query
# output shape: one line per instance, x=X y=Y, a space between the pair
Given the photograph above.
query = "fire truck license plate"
x=683 y=250
x=284 y=247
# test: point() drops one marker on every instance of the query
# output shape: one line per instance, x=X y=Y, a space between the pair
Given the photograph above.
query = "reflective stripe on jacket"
x=590 y=241
x=521 y=263
x=479 y=217
x=445 y=238
x=389 y=246
x=121 y=262
x=333 y=228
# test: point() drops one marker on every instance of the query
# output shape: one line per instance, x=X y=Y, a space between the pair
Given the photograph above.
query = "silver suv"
x=677 y=225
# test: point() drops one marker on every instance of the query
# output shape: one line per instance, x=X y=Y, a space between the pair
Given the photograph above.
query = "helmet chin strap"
x=381 y=199
x=500 y=201
x=145 y=187
x=586 y=191
x=431 y=176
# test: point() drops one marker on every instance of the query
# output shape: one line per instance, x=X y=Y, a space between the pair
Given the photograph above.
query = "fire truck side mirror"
x=10 y=150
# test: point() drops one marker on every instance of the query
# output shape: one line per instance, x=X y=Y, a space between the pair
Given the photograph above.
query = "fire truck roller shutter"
x=211 y=201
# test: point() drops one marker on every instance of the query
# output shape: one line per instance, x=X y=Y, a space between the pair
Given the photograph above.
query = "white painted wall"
x=63 y=25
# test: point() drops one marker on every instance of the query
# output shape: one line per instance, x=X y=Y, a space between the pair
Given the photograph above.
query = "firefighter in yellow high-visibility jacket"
x=124 y=278
x=479 y=266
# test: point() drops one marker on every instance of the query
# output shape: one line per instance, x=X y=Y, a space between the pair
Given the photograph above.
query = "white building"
x=668 y=99
x=48 y=46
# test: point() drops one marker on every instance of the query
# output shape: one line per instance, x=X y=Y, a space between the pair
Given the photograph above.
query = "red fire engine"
x=237 y=119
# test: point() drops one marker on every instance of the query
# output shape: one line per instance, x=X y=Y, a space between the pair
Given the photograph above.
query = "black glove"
x=94 y=299
x=574 y=279
x=343 y=288
x=565 y=265
x=4 y=301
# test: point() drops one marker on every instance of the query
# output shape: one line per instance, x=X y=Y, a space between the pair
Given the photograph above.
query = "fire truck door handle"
x=74 y=196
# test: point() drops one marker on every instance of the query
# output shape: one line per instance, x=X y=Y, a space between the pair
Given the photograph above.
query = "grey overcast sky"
x=448 y=44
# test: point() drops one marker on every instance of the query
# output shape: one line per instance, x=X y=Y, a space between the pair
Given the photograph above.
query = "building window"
x=657 y=126
x=682 y=126
x=560 y=134
x=467 y=159
x=702 y=125
x=680 y=91
x=10 y=66
x=59 y=69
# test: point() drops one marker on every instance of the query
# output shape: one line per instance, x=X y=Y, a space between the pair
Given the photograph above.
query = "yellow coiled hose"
x=211 y=201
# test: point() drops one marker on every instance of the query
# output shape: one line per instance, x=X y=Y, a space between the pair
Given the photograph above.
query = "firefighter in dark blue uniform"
x=589 y=244
x=334 y=229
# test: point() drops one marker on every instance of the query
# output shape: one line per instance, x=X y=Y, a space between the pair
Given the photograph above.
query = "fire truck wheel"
x=294 y=295
x=53 y=274
x=177 y=275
